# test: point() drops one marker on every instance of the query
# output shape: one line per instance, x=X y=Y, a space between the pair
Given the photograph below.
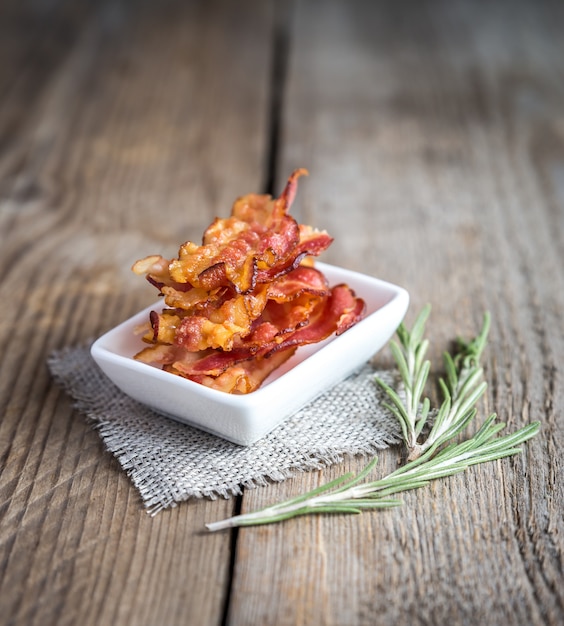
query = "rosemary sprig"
x=352 y=497
x=461 y=390
x=434 y=458
x=409 y=355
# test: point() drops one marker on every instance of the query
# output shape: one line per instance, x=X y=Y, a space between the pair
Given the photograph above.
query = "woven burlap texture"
x=170 y=462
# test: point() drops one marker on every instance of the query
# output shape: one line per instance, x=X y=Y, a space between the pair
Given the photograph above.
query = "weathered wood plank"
x=435 y=146
x=434 y=140
x=142 y=126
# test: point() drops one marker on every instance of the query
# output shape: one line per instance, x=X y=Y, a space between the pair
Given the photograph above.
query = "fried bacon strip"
x=245 y=376
x=258 y=241
x=334 y=314
x=226 y=317
x=240 y=304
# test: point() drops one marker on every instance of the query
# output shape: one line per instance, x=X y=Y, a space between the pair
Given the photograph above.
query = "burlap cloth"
x=170 y=462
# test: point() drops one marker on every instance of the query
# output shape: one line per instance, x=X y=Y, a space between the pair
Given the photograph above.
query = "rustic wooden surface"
x=434 y=134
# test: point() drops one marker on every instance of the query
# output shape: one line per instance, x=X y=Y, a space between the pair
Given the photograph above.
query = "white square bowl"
x=243 y=419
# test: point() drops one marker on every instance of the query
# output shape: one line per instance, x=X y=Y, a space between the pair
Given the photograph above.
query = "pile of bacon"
x=240 y=304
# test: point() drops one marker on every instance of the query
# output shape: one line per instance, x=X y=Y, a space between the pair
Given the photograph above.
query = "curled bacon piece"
x=240 y=304
x=258 y=241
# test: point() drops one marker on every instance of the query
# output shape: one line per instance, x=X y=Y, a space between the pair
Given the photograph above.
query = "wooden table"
x=434 y=135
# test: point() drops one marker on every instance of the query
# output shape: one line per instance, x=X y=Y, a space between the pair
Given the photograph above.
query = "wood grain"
x=434 y=136
x=435 y=146
x=120 y=140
